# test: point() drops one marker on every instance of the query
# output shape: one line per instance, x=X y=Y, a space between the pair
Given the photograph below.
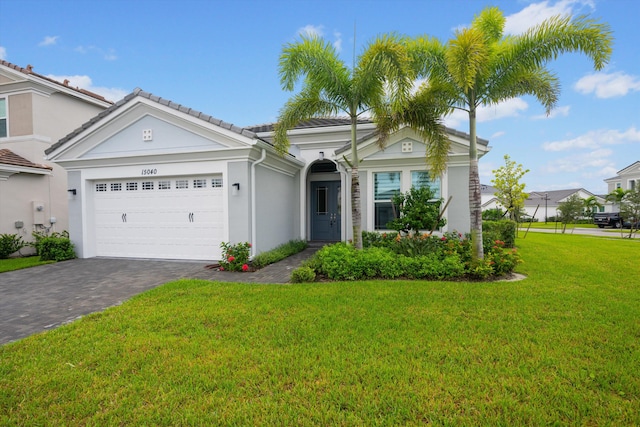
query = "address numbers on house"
x=146 y=172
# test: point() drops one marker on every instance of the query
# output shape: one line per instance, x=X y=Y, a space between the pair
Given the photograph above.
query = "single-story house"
x=541 y=205
x=35 y=112
x=150 y=178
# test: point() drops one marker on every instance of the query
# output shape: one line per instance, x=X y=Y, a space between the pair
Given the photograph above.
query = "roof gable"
x=118 y=131
x=170 y=110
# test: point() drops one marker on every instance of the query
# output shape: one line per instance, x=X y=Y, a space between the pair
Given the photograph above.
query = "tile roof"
x=8 y=157
x=29 y=71
x=137 y=92
x=344 y=121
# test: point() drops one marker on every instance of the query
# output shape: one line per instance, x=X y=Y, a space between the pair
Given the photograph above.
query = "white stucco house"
x=35 y=112
x=627 y=178
x=150 y=178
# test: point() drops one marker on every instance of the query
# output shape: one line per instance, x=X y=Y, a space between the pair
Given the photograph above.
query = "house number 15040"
x=149 y=171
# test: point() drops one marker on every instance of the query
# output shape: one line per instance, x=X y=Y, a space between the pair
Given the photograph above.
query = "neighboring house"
x=155 y=179
x=541 y=205
x=627 y=178
x=488 y=197
x=35 y=112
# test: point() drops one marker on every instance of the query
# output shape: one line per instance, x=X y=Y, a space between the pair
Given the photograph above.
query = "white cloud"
x=3 y=53
x=509 y=108
x=608 y=85
x=498 y=134
x=110 y=55
x=85 y=82
x=49 y=41
x=598 y=159
x=337 y=44
x=595 y=139
x=535 y=13
x=311 y=31
x=556 y=112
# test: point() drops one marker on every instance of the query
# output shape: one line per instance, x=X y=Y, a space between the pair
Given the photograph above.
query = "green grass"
x=554 y=225
x=561 y=347
x=20 y=263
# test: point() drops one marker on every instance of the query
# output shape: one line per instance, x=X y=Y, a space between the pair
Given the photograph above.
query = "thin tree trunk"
x=475 y=200
x=356 y=213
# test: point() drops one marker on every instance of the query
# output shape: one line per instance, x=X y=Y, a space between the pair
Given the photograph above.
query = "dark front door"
x=326 y=210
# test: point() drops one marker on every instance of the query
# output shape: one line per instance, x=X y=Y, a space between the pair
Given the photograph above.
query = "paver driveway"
x=43 y=297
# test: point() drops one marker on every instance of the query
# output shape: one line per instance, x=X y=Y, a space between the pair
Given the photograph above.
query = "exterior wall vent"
x=407 y=146
x=147 y=135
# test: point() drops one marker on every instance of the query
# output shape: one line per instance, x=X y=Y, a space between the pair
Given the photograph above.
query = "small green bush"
x=235 y=257
x=10 y=243
x=303 y=275
x=504 y=231
x=55 y=248
x=279 y=253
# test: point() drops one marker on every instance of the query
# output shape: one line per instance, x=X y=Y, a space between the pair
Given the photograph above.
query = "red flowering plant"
x=235 y=257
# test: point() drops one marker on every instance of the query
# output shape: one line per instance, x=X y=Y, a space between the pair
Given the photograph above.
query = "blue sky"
x=221 y=57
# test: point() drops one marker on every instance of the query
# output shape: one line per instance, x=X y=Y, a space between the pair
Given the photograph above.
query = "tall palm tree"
x=481 y=66
x=379 y=84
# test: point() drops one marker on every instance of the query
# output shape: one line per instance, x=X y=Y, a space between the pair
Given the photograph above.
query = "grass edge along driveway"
x=560 y=347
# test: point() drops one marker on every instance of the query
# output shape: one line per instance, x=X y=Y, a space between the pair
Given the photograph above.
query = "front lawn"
x=561 y=347
x=20 y=263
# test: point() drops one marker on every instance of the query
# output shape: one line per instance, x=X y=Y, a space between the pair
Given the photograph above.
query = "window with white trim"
x=421 y=179
x=385 y=186
x=3 y=117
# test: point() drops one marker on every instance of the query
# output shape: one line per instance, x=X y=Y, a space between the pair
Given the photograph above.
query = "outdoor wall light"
x=235 y=189
x=321 y=155
x=72 y=191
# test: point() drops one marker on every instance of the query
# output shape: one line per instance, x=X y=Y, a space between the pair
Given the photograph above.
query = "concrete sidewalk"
x=44 y=297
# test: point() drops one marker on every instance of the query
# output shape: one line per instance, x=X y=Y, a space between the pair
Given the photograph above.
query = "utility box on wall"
x=38 y=212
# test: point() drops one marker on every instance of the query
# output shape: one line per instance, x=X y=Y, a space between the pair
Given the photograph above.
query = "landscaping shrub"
x=414 y=257
x=55 y=248
x=10 y=243
x=279 y=253
x=504 y=231
x=303 y=275
x=235 y=257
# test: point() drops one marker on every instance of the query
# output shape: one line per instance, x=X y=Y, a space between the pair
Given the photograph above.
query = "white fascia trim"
x=8 y=170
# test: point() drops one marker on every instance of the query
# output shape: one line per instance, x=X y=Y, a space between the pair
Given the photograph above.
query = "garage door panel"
x=144 y=220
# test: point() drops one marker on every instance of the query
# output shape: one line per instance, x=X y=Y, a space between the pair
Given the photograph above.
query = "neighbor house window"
x=421 y=179
x=3 y=117
x=385 y=186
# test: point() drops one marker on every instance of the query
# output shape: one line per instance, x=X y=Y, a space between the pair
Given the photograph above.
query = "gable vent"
x=407 y=146
x=147 y=135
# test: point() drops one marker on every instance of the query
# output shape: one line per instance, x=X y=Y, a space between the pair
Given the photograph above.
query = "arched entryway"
x=325 y=202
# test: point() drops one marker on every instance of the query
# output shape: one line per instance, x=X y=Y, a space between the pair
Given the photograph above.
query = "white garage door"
x=177 y=218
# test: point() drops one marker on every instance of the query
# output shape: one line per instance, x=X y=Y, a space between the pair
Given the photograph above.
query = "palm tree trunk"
x=475 y=200
x=356 y=213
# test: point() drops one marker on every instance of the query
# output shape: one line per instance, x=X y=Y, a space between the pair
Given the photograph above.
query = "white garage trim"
x=169 y=218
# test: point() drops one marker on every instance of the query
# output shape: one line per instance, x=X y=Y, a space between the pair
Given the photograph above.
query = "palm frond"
x=538 y=82
x=467 y=56
x=490 y=22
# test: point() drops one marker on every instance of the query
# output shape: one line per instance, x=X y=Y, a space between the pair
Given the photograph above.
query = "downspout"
x=253 y=201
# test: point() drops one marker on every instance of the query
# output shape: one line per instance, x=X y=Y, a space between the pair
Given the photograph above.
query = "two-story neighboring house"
x=627 y=178
x=35 y=112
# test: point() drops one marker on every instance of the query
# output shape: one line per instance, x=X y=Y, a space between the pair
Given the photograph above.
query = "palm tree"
x=379 y=84
x=590 y=205
x=480 y=66
x=616 y=196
